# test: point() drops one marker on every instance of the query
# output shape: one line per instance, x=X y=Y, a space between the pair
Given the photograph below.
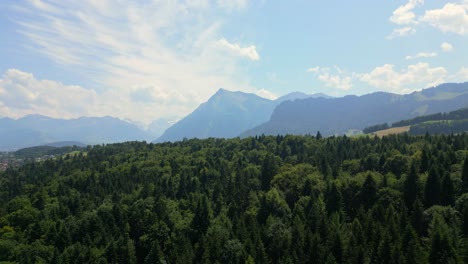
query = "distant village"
x=8 y=159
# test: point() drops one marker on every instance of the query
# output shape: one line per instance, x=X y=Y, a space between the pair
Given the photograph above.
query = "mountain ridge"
x=338 y=115
x=34 y=130
x=226 y=114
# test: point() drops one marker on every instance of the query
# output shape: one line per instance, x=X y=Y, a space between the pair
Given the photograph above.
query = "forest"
x=439 y=123
x=264 y=199
x=440 y=127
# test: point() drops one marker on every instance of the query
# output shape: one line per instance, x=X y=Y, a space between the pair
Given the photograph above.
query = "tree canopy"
x=265 y=199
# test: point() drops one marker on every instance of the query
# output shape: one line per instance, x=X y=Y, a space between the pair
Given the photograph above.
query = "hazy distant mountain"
x=339 y=115
x=300 y=95
x=61 y=144
x=226 y=114
x=34 y=130
x=158 y=126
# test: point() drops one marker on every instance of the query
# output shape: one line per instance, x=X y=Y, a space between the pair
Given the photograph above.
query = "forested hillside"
x=284 y=199
x=338 y=116
x=439 y=123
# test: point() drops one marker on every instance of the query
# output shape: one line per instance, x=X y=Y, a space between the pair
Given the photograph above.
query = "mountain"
x=226 y=114
x=34 y=130
x=300 y=95
x=158 y=126
x=340 y=115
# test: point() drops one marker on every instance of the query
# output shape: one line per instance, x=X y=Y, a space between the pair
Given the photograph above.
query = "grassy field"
x=393 y=130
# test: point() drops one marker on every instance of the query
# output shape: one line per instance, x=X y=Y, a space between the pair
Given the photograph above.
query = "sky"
x=147 y=60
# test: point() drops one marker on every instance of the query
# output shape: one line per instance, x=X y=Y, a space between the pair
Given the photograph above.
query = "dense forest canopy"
x=283 y=199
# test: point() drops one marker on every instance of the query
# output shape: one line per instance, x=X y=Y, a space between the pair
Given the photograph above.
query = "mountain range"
x=340 y=115
x=231 y=114
x=34 y=130
x=227 y=114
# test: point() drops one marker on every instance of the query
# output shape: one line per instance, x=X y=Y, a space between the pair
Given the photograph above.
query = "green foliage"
x=284 y=199
x=375 y=128
x=432 y=189
x=440 y=127
x=454 y=115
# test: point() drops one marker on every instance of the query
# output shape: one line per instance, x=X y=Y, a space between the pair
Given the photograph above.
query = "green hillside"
x=439 y=123
x=291 y=199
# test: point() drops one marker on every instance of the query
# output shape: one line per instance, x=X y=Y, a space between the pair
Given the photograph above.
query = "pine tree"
x=333 y=199
x=425 y=161
x=432 y=188
x=201 y=219
x=465 y=175
x=442 y=249
x=412 y=247
x=447 y=196
x=368 y=192
x=417 y=217
x=411 y=187
x=155 y=255
x=269 y=169
x=319 y=135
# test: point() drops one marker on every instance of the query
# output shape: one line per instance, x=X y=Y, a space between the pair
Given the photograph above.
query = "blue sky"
x=146 y=60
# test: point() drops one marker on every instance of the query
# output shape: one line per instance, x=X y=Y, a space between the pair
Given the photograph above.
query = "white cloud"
x=414 y=77
x=401 y=32
x=446 y=47
x=249 y=52
x=314 y=69
x=232 y=4
x=403 y=15
x=266 y=94
x=21 y=94
x=452 y=18
x=460 y=76
x=421 y=55
x=335 y=77
x=336 y=81
x=388 y=78
x=141 y=52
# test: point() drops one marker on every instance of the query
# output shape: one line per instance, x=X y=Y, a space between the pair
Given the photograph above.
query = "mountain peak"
x=221 y=91
x=300 y=95
x=36 y=116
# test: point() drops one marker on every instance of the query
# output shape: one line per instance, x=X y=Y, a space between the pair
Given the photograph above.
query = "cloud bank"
x=451 y=18
x=155 y=59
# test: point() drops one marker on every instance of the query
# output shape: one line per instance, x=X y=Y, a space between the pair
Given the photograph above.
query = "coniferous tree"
x=369 y=192
x=201 y=220
x=417 y=217
x=442 y=247
x=413 y=252
x=269 y=169
x=432 y=188
x=411 y=187
x=319 y=135
x=155 y=255
x=334 y=199
x=447 y=196
x=465 y=175
x=464 y=213
x=425 y=161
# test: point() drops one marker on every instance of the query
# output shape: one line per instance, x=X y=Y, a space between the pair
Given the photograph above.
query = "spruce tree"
x=447 y=196
x=368 y=192
x=442 y=249
x=411 y=187
x=432 y=188
x=465 y=175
